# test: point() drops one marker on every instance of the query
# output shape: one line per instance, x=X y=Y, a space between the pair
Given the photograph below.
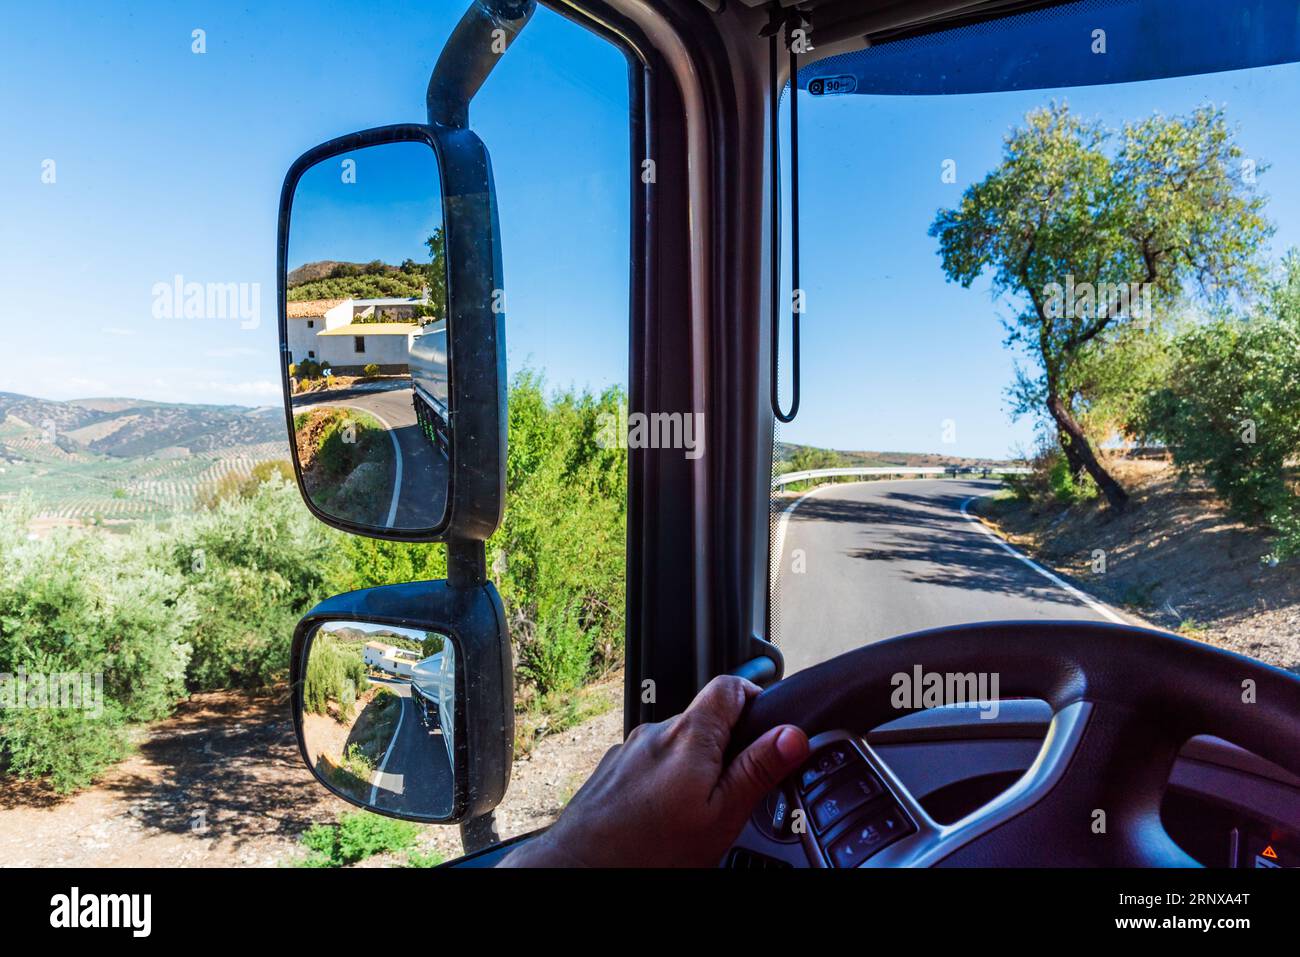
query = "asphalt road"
x=422 y=490
x=414 y=775
x=886 y=558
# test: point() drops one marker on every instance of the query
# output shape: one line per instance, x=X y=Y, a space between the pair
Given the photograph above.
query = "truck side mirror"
x=407 y=715
x=392 y=336
x=392 y=348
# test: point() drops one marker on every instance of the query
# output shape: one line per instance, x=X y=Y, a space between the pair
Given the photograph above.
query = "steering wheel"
x=1124 y=701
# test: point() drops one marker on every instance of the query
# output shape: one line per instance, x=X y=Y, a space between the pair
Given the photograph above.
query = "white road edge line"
x=397 y=457
x=1051 y=577
x=374 y=783
x=778 y=553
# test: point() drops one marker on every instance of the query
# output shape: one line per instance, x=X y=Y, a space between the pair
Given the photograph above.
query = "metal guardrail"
x=789 y=478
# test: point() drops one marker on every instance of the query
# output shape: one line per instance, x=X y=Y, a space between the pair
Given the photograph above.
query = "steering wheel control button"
x=844 y=796
x=780 y=805
x=826 y=761
x=772 y=817
x=868 y=835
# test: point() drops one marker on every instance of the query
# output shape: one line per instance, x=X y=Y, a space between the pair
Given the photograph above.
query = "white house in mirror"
x=349 y=334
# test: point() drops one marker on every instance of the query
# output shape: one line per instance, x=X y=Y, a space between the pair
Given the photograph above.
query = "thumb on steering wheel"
x=762 y=766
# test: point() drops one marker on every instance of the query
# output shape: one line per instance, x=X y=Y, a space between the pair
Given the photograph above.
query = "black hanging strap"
x=775 y=264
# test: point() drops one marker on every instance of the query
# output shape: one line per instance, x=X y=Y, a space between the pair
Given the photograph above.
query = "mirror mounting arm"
x=479 y=833
x=466 y=564
x=484 y=33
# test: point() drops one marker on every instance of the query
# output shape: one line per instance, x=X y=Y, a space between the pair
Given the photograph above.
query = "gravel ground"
x=1174 y=558
x=221 y=784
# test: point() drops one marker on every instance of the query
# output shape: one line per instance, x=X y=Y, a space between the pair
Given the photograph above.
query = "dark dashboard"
x=868 y=802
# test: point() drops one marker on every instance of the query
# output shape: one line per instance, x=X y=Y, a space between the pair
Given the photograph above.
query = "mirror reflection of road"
x=414 y=774
x=422 y=486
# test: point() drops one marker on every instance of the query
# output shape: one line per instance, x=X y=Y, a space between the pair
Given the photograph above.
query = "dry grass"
x=1174 y=557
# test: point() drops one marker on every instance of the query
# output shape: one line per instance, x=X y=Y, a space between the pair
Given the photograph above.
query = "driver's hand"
x=664 y=798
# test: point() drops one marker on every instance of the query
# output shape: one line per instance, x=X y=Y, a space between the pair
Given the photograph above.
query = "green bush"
x=86 y=604
x=211 y=602
x=557 y=655
x=1286 y=523
x=70 y=747
x=370 y=369
x=250 y=568
x=1231 y=406
x=356 y=836
x=559 y=556
x=335 y=672
x=346 y=441
x=1068 y=488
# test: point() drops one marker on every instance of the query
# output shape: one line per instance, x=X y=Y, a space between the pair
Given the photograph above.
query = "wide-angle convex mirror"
x=406 y=716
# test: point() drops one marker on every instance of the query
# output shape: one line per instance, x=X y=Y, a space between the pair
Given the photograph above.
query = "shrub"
x=234 y=486
x=1049 y=478
x=557 y=656
x=334 y=673
x=559 y=556
x=1068 y=488
x=356 y=836
x=423 y=859
x=344 y=443
x=69 y=746
x=89 y=605
x=370 y=369
x=1231 y=407
x=250 y=568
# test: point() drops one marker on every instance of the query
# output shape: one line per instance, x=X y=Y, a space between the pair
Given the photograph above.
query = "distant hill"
x=309 y=272
x=119 y=461
x=130 y=428
x=332 y=279
x=348 y=633
x=785 y=451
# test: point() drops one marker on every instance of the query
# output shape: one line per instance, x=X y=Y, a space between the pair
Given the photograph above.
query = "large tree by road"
x=1091 y=229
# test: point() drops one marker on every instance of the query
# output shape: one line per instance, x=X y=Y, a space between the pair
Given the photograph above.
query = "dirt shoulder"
x=221 y=784
x=1173 y=558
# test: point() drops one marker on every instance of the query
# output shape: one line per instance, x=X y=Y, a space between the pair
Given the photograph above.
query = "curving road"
x=421 y=493
x=414 y=775
x=886 y=558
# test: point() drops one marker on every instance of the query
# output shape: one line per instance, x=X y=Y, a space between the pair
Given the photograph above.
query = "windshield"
x=1053 y=333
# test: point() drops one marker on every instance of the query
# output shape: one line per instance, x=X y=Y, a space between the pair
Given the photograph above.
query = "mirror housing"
x=473 y=621
x=475 y=328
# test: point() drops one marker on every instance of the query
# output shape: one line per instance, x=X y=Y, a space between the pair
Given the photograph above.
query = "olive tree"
x=1090 y=229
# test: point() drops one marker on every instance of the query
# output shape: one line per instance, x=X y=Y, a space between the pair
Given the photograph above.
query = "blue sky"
x=378 y=203
x=892 y=352
x=170 y=163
